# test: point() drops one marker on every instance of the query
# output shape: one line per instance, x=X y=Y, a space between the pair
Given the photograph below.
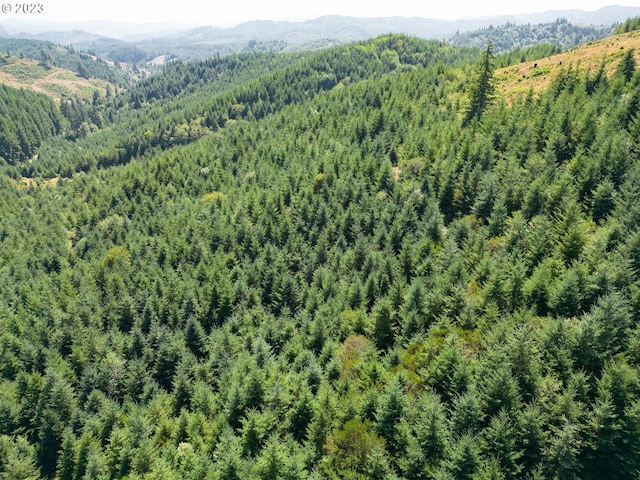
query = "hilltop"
x=537 y=74
x=53 y=81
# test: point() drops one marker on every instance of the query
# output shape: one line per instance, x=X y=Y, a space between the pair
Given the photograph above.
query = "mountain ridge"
x=337 y=27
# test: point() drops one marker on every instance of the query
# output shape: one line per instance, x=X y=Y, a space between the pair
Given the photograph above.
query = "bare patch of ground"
x=56 y=82
x=159 y=60
x=39 y=182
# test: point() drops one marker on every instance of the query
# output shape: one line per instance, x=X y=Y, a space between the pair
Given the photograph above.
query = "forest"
x=51 y=54
x=356 y=263
x=560 y=33
x=27 y=120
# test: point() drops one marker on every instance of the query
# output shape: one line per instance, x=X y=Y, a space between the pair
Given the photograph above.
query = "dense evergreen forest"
x=357 y=263
x=26 y=120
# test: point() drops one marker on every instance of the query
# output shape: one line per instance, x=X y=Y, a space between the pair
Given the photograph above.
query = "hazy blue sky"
x=229 y=12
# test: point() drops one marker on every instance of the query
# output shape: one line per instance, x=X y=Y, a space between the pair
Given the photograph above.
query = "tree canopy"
x=323 y=265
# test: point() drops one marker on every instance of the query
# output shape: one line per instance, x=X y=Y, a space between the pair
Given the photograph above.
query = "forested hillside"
x=358 y=263
x=600 y=58
x=510 y=36
x=188 y=101
x=50 y=55
x=26 y=120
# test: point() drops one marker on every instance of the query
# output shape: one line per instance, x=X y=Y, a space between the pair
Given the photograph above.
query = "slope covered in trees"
x=628 y=25
x=510 y=36
x=188 y=101
x=50 y=55
x=26 y=120
x=340 y=281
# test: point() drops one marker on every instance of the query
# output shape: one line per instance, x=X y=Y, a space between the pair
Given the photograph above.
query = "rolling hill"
x=352 y=263
x=53 y=81
x=590 y=57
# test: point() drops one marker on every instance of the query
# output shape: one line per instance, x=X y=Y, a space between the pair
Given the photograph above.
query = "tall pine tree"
x=482 y=88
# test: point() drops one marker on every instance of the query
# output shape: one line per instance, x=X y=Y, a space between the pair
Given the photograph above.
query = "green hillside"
x=190 y=100
x=26 y=120
x=511 y=36
x=357 y=263
x=51 y=55
x=52 y=81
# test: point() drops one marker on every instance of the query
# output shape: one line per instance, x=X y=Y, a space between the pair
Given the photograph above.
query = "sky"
x=232 y=12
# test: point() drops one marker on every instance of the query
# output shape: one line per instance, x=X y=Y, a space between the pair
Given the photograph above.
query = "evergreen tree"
x=18 y=459
x=627 y=66
x=464 y=459
x=195 y=337
x=389 y=415
x=301 y=415
x=482 y=86
x=66 y=460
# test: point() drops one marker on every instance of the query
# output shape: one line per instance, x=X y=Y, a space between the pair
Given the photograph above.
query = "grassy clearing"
x=537 y=75
x=55 y=82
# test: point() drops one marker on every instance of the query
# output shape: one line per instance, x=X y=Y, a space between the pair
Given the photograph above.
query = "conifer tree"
x=66 y=460
x=482 y=88
x=389 y=414
x=464 y=457
x=627 y=66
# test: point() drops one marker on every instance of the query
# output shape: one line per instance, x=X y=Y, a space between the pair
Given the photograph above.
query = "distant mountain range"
x=136 y=41
x=351 y=28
